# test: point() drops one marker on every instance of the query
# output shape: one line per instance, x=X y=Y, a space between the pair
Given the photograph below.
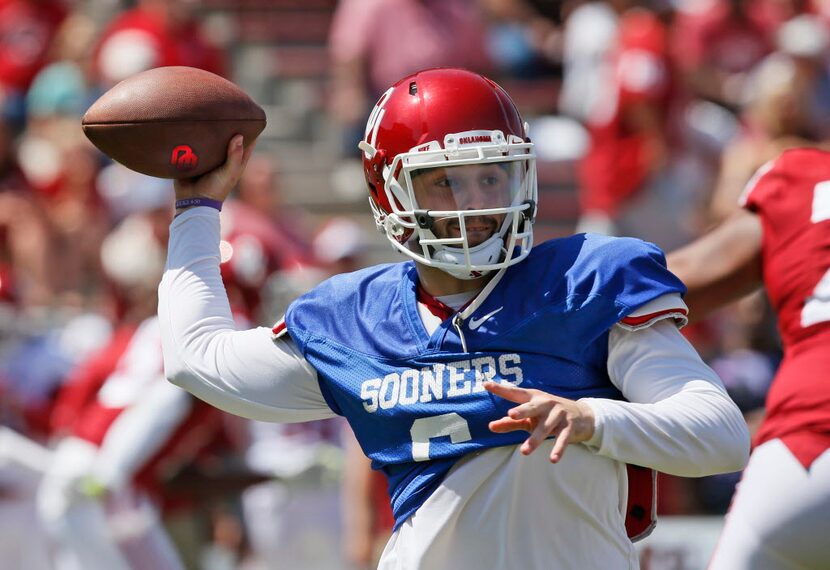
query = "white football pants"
x=780 y=516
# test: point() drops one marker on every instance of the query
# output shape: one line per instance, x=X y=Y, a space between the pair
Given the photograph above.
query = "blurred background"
x=648 y=117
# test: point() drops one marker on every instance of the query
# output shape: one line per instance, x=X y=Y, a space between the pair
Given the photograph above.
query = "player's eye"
x=446 y=182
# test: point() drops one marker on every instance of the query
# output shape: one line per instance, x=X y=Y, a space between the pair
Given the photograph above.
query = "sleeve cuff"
x=599 y=422
x=669 y=306
x=195 y=212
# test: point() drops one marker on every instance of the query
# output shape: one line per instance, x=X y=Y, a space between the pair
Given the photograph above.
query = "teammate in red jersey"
x=124 y=441
x=781 y=240
x=122 y=430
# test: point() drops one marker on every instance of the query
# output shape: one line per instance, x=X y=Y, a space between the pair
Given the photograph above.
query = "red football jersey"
x=135 y=365
x=791 y=195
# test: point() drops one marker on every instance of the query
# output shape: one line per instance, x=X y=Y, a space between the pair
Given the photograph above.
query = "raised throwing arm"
x=247 y=373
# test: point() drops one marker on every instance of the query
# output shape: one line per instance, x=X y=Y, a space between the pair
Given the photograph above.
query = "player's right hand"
x=217 y=183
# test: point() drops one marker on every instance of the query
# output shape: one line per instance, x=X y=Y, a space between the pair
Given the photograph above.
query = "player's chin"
x=478 y=238
x=477 y=231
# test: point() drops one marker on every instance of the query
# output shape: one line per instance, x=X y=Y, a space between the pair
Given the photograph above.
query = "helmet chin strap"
x=460 y=317
x=485 y=253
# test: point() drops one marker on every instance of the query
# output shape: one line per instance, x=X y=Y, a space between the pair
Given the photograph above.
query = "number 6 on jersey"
x=817 y=306
x=424 y=429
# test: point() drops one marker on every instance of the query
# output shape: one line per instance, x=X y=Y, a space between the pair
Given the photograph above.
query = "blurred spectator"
x=719 y=45
x=776 y=117
x=806 y=39
x=253 y=248
x=131 y=255
x=24 y=234
x=64 y=87
x=590 y=35
x=62 y=167
x=27 y=28
x=124 y=192
x=373 y=43
x=260 y=188
x=80 y=222
x=155 y=33
x=339 y=245
x=629 y=124
x=525 y=36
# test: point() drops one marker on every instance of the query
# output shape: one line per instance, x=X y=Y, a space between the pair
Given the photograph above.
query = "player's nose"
x=475 y=197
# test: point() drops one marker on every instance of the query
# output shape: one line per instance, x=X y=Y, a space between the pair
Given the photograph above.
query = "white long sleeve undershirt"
x=246 y=373
x=139 y=432
x=678 y=419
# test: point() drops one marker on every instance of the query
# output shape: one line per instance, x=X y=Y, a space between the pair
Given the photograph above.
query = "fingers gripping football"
x=217 y=183
x=543 y=415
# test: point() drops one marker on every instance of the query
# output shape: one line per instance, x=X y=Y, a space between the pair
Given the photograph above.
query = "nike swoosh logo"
x=475 y=323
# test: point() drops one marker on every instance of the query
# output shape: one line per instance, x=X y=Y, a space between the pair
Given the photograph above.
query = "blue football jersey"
x=416 y=401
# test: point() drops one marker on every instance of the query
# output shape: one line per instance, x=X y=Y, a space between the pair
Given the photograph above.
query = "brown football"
x=172 y=122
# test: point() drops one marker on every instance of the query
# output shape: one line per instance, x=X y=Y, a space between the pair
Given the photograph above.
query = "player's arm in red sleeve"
x=721 y=266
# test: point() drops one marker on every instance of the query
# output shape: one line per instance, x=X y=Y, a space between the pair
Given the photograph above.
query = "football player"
x=123 y=430
x=427 y=358
x=779 y=239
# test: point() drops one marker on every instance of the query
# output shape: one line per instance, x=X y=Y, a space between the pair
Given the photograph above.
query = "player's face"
x=461 y=188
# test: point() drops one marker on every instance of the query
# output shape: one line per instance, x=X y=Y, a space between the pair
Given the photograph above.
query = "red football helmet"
x=464 y=131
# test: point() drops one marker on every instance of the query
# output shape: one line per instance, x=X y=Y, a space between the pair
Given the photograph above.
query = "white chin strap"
x=485 y=253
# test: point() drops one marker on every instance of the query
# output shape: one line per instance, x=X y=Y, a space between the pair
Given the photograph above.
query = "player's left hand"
x=543 y=415
x=92 y=488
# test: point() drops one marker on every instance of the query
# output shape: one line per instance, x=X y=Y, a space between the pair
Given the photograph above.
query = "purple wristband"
x=188 y=202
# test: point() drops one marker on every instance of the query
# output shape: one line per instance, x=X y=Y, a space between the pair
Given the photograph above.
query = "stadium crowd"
x=664 y=109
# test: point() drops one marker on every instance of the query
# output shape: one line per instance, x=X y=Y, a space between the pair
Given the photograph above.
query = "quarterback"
x=467 y=370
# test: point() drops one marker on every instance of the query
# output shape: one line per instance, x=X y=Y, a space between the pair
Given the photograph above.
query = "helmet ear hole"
x=423 y=219
x=373 y=191
x=413 y=88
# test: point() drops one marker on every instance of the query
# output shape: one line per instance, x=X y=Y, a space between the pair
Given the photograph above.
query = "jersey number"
x=817 y=307
x=424 y=429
